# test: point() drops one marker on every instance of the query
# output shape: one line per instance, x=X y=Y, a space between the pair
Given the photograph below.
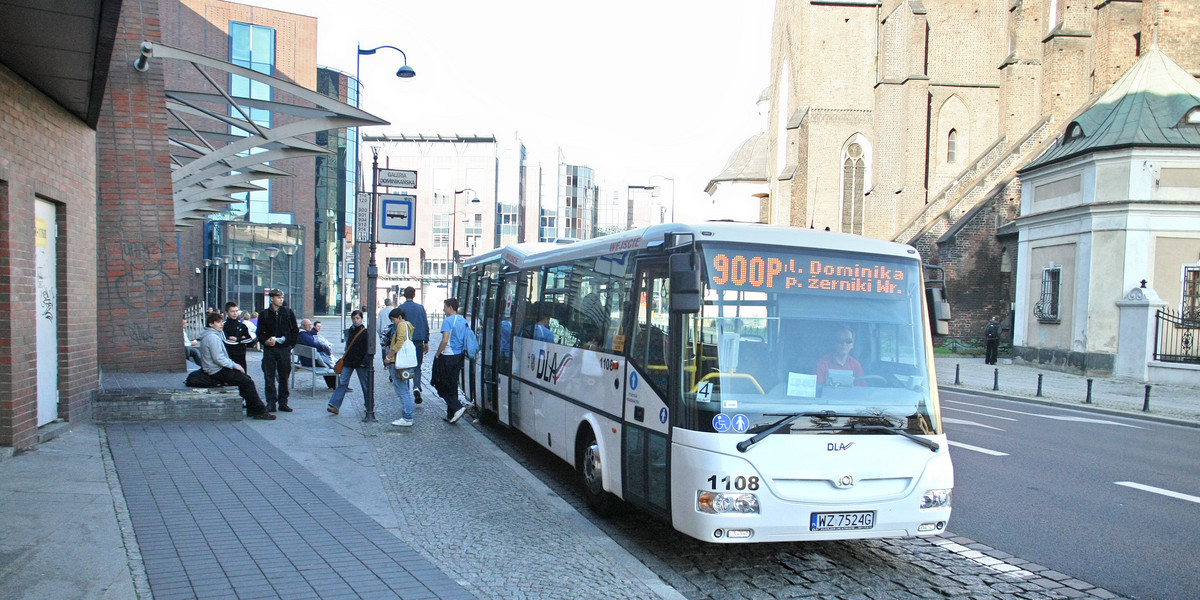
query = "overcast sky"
x=629 y=88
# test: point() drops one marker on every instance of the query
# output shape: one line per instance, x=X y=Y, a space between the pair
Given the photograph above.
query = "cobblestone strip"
x=141 y=583
x=219 y=512
x=1020 y=569
x=480 y=517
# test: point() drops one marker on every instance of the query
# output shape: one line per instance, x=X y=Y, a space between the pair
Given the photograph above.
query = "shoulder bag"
x=337 y=367
x=406 y=358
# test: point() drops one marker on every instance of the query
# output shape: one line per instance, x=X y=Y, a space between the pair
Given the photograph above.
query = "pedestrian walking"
x=216 y=362
x=401 y=358
x=415 y=314
x=277 y=333
x=384 y=315
x=991 y=337
x=355 y=360
x=448 y=362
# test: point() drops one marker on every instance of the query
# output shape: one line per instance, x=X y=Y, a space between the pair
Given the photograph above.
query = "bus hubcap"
x=591 y=467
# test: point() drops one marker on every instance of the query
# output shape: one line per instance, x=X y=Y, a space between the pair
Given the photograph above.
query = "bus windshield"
x=794 y=330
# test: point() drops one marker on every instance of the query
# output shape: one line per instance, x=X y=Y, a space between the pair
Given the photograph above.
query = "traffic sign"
x=398 y=178
x=396 y=219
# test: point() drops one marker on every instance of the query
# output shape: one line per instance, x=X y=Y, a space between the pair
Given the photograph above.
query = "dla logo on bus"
x=549 y=368
x=835 y=447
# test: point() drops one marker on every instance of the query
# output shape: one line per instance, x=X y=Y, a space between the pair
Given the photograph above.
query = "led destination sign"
x=767 y=271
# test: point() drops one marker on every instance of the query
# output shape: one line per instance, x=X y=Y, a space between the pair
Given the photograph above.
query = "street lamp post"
x=238 y=285
x=656 y=191
x=216 y=278
x=253 y=254
x=207 y=276
x=228 y=263
x=403 y=72
x=450 y=246
x=272 y=252
x=290 y=249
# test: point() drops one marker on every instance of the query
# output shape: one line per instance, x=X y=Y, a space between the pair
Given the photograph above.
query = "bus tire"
x=591 y=474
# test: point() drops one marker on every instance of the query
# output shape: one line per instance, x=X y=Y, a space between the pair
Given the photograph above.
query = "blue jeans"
x=343 y=384
x=400 y=385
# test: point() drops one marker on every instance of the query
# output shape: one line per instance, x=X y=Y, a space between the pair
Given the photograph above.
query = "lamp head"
x=272 y=251
x=290 y=249
x=406 y=72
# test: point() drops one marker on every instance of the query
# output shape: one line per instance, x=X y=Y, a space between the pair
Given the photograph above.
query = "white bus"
x=746 y=383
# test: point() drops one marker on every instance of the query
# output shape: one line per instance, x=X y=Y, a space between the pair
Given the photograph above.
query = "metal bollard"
x=996 y=379
x=957 y=381
x=1088 y=400
x=1146 y=402
x=1039 y=393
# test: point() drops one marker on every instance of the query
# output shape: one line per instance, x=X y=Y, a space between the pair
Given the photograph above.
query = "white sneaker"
x=402 y=422
x=458 y=414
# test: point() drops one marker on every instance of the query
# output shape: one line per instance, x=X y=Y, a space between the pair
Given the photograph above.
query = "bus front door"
x=489 y=404
x=652 y=368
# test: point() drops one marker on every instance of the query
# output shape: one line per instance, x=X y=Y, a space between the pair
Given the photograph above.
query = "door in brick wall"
x=46 y=264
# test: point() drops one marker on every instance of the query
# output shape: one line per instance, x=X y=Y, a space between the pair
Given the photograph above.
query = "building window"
x=1046 y=309
x=1190 y=307
x=854 y=168
x=441 y=230
x=951 y=146
x=435 y=268
x=397 y=266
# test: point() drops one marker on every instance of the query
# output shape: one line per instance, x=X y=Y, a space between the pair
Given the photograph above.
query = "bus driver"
x=837 y=367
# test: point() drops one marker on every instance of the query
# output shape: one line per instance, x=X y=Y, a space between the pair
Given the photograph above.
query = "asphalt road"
x=1110 y=500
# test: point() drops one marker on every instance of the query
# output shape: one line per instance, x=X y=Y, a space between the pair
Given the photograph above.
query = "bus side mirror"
x=685 y=283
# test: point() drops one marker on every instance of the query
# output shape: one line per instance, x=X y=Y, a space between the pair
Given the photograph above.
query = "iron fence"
x=1175 y=337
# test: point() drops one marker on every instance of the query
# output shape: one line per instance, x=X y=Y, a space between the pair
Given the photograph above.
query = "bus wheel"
x=591 y=472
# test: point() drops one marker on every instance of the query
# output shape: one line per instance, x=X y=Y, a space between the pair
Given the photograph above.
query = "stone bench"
x=145 y=397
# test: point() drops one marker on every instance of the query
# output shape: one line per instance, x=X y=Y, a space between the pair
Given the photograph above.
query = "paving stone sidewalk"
x=220 y=513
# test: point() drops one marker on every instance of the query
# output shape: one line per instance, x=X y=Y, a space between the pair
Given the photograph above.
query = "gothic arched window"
x=854 y=170
x=951 y=146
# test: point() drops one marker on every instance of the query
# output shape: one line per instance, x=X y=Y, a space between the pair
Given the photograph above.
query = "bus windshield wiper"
x=932 y=445
x=746 y=444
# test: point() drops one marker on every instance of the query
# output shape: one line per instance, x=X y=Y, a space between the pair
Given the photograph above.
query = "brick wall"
x=48 y=154
x=139 y=298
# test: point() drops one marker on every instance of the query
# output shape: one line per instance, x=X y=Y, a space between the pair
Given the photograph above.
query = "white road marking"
x=1154 y=490
x=972 y=423
x=1054 y=417
x=977 y=449
x=971 y=412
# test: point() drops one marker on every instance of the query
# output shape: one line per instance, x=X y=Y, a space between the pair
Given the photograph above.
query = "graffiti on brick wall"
x=143 y=284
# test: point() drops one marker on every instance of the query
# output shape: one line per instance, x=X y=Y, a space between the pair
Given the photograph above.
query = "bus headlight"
x=716 y=503
x=935 y=499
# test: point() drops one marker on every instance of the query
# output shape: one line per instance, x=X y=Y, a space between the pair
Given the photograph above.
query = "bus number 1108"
x=735 y=483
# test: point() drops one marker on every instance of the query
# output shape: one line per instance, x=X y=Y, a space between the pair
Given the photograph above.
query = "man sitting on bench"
x=308 y=337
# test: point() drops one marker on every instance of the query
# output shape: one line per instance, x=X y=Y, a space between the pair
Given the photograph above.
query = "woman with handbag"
x=401 y=358
x=354 y=360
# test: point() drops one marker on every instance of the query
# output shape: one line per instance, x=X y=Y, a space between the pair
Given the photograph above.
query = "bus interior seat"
x=754 y=358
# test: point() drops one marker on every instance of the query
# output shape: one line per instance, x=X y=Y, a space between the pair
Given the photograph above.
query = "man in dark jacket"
x=415 y=313
x=277 y=332
x=991 y=336
x=236 y=335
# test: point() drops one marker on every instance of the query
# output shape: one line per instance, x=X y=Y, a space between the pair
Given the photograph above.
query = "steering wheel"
x=879 y=380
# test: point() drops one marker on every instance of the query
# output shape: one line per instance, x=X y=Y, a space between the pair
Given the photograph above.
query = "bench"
x=314 y=358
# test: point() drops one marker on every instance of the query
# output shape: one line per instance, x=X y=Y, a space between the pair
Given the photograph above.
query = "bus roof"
x=539 y=253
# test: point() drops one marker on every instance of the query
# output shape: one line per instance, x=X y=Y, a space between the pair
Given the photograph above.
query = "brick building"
x=51 y=90
x=909 y=120
x=113 y=147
